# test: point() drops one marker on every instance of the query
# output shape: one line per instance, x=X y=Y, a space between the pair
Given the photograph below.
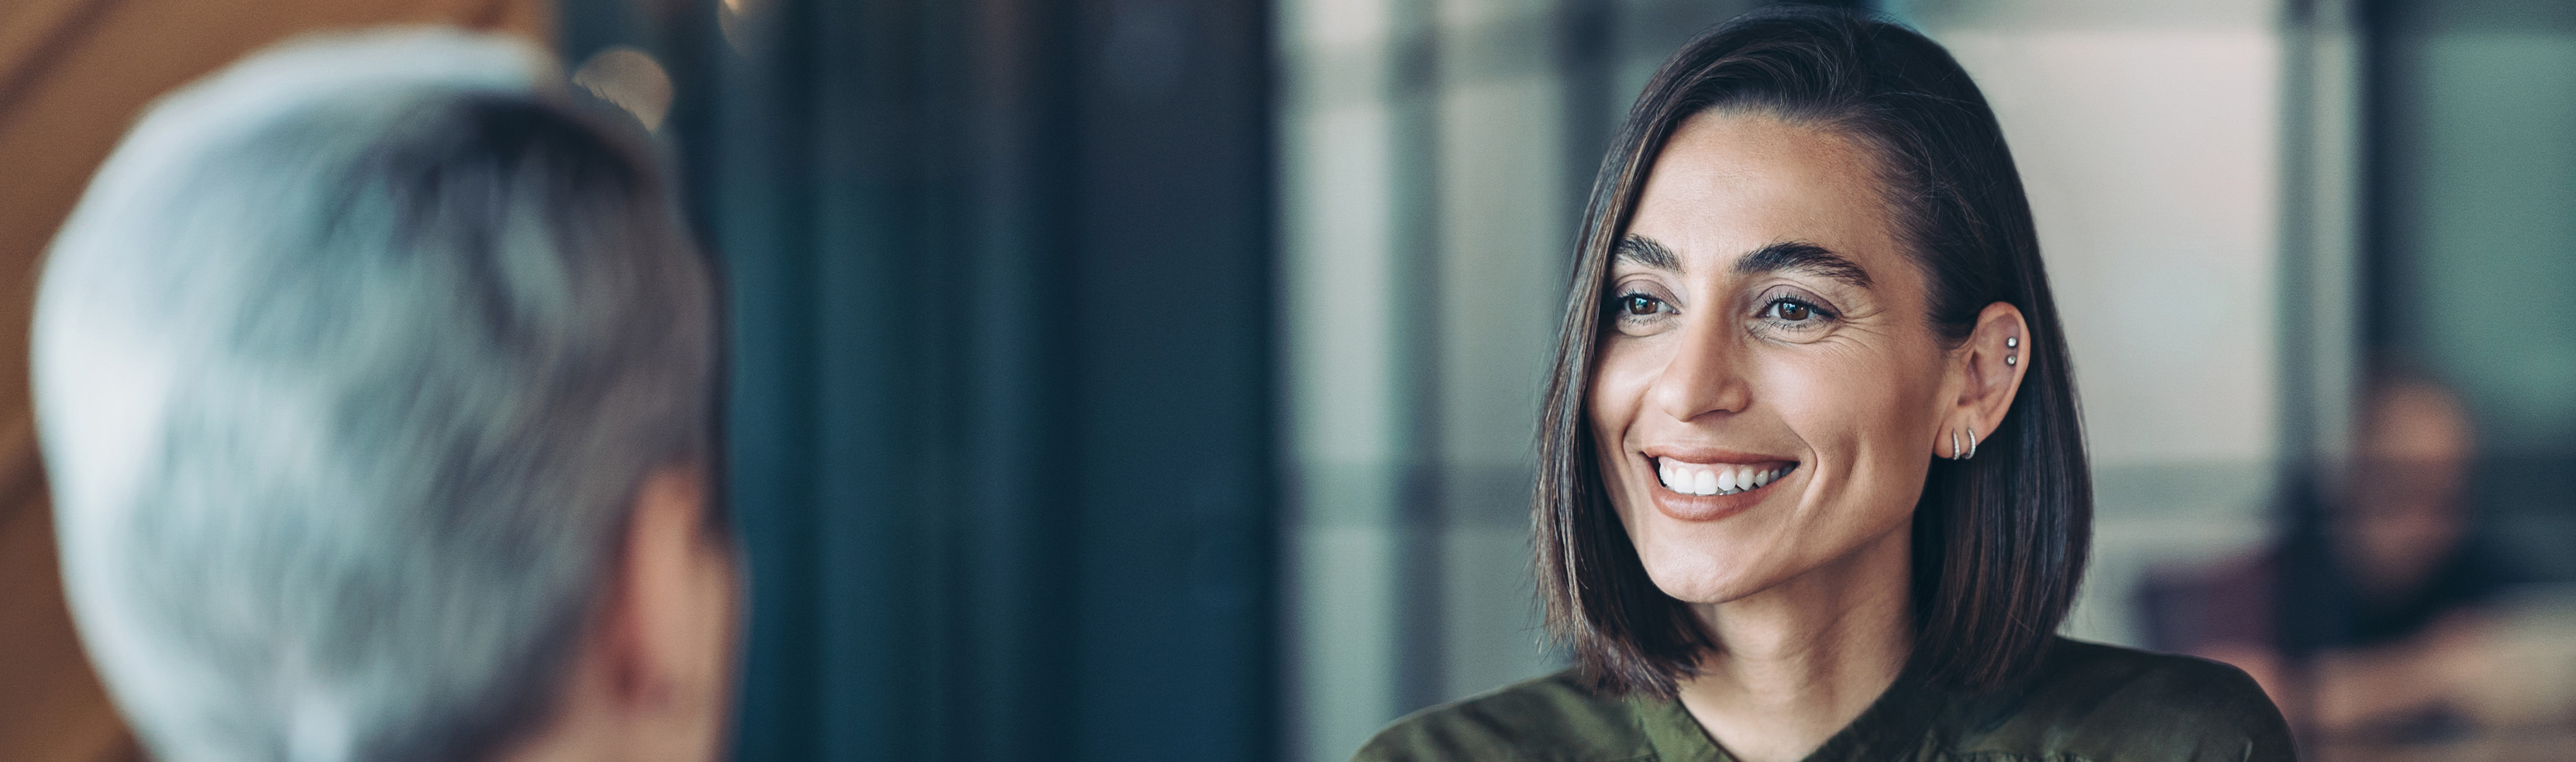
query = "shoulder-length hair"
x=1999 y=540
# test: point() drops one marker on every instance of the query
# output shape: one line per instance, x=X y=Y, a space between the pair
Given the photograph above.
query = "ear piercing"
x=1954 y=445
x=2013 y=358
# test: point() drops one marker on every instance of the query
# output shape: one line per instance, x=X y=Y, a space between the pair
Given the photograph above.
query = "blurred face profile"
x=2407 y=511
x=1767 y=381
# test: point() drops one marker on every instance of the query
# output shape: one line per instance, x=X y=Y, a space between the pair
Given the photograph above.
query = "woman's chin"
x=1699 y=577
x=1699 y=590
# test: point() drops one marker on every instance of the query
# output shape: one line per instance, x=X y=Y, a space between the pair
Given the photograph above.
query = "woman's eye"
x=1791 y=310
x=1639 y=313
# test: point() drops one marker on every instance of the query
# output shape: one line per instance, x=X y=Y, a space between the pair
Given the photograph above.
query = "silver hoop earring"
x=1954 y=444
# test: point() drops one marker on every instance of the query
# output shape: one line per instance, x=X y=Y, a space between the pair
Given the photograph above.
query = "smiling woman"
x=1813 y=481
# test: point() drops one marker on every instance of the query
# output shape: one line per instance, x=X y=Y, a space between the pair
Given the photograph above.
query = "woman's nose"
x=1705 y=374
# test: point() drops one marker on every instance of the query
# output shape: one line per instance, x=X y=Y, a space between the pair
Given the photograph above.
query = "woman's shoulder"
x=2096 y=701
x=1556 y=718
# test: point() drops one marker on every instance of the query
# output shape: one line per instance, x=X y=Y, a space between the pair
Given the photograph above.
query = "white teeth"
x=1692 y=479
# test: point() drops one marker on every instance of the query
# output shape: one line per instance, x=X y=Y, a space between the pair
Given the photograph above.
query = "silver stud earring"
x=2012 y=342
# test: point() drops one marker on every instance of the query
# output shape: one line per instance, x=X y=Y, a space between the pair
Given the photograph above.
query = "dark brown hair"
x=1999 y=540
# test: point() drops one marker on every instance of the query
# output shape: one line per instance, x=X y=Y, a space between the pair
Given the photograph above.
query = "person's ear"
x=670 y=625
x=1986 y=370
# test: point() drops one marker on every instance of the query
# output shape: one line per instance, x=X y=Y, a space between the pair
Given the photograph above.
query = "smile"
x=1717 y=478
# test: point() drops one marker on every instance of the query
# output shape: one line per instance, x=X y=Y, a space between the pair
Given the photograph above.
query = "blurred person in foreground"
x=376 y=384
x=2380 y=620
x=1812 y=479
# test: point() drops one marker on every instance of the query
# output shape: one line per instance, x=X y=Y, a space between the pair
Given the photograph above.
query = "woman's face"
x=1768 y=394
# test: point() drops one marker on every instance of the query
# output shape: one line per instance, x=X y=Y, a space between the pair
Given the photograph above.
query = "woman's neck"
x=1799 y=661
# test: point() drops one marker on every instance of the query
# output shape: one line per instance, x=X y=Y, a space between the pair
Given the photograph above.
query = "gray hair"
x=347 y=367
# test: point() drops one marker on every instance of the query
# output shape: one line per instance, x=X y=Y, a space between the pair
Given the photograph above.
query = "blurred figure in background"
x=376 y=383
x=2379 y=621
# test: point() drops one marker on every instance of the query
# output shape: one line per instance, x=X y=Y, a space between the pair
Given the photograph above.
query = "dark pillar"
x=1001 y=422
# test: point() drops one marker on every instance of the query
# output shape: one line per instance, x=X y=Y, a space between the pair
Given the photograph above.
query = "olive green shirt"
x=2086 y=702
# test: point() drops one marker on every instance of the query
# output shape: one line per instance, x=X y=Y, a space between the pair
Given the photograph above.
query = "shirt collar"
x=1896 y=726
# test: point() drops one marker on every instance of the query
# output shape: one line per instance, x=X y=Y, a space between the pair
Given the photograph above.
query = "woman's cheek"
x=1619 y=385
x=1840 y=409
x=1618 y=389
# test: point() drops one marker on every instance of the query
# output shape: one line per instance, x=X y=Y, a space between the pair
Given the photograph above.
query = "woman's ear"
x=1987 y=371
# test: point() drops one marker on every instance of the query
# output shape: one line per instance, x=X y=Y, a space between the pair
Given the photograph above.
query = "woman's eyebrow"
x=1645 y=252
x=1802 y=256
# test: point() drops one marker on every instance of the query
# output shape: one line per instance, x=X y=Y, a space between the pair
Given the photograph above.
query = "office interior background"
x=1156 y=379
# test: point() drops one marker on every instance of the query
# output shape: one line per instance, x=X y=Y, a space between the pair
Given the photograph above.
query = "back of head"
x=346 y=367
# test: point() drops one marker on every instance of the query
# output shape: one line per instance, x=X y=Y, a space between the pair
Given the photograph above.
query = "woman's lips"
x=1709 y=491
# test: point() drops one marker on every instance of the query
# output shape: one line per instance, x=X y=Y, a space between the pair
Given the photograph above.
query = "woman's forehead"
x=1727 y=184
